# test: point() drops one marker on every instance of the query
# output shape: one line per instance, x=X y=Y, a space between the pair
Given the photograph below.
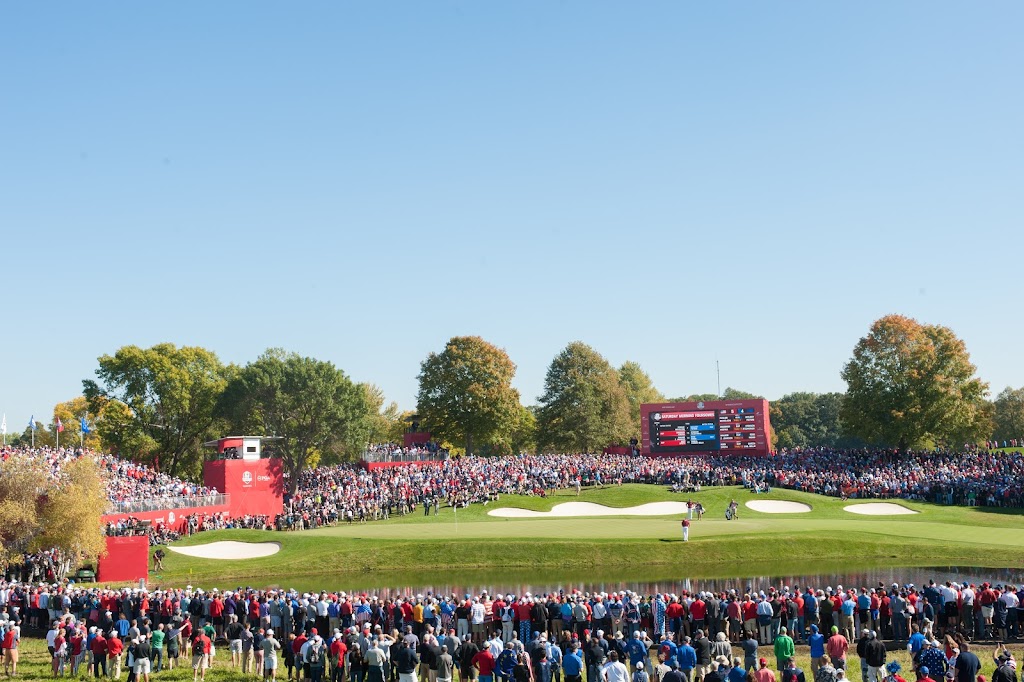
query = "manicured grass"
x=35 y=664
x=470 y=539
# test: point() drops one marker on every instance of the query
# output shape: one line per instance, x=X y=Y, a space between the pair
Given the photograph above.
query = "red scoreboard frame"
x=721 y=427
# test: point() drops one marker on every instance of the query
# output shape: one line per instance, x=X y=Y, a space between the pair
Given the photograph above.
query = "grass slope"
x=470 y=539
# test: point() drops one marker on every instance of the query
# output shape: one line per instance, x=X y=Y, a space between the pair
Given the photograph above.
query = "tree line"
x=908 y=385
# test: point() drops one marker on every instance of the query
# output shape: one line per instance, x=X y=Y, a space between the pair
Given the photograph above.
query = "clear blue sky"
x=669 y=182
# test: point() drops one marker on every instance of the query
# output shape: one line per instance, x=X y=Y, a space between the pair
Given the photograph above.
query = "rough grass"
x=470 y=539
x=35 y=664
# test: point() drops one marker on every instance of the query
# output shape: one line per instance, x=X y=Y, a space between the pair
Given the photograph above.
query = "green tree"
x=639 y=390
x=382 y=421
x=316 y=410
x=910 y=383
x=466 y=395
x=524 y=436
x=166 y=398
x=695 y=398
x=1009 y=414
x=731 y=393
x=809 y=420
x=43 y=437
x=584 y=406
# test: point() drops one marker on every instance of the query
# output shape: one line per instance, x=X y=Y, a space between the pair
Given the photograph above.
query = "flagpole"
x=56 y=430
x=81 y=431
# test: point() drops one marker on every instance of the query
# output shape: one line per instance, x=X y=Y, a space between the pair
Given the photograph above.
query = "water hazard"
x=446 y=579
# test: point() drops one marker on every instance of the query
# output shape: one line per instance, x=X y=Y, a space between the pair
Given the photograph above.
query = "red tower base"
x=411 y=438
x=254 y=486
x=127 y=560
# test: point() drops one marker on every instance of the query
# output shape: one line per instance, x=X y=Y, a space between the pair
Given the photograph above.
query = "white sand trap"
x=878 y=509
x=592 y=509
x=778 y=506
x=229 y=549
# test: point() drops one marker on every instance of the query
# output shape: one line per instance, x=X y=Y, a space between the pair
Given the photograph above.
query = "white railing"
x=169 y=502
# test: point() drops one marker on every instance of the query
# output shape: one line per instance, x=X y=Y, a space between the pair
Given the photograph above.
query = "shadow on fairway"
x=1005 y=511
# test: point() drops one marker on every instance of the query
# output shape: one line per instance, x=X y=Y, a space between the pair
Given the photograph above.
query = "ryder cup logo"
x=170 y=517
x=247 y=478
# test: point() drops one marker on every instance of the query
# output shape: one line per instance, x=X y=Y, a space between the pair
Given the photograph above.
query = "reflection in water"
x=447 y=581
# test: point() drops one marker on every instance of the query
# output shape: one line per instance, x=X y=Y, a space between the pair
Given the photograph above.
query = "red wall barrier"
x=410 y=438
x=172 y=518
x=254 y=486
x=127 y=560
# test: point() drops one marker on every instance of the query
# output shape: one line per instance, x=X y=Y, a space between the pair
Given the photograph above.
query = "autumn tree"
x=19 y=505
x=158 y=401
x=584 y=406
x=1009 y=415
x=70 y=414
x=72 y=512
x=465 y=392
x=316 y=410
x=38 y=511
x=639 y=390
x=910 y=384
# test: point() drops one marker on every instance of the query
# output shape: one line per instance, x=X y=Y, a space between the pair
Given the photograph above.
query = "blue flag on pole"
x=32 y=423
x=85 y=427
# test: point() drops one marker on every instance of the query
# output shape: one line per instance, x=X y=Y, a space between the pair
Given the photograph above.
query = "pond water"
x=447 y=579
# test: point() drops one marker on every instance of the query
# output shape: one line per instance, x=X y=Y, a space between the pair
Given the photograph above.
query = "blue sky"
x=669 y=182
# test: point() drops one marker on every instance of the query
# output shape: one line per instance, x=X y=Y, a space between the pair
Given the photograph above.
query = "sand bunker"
x=591 y=509
x=778 y=506
x=229 y=550
x=878 y=509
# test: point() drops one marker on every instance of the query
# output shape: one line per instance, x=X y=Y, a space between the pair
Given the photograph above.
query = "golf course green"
x=824 y=539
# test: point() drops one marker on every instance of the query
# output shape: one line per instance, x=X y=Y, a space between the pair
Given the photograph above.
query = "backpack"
x=315 y=652
x=197 y=647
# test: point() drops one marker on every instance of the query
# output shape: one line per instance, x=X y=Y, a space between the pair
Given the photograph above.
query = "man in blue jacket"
x=637 y=649
x=572 y=664
x=668 y=649
x=687 y=657
x=816 y=641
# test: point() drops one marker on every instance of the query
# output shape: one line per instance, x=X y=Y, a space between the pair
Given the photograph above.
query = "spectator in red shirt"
x=115 y=647
x=484 y=663
x=338 y=652
x=99 y=655
x=201 y=647
x=217 y=615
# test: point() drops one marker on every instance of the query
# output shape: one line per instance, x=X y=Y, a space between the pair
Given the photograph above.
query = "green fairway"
x=471 y=539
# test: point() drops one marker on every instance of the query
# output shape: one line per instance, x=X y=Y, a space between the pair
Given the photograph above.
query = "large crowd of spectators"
x=126 y=481
x=396 y=452
x=701 y=634
x=350 y=493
